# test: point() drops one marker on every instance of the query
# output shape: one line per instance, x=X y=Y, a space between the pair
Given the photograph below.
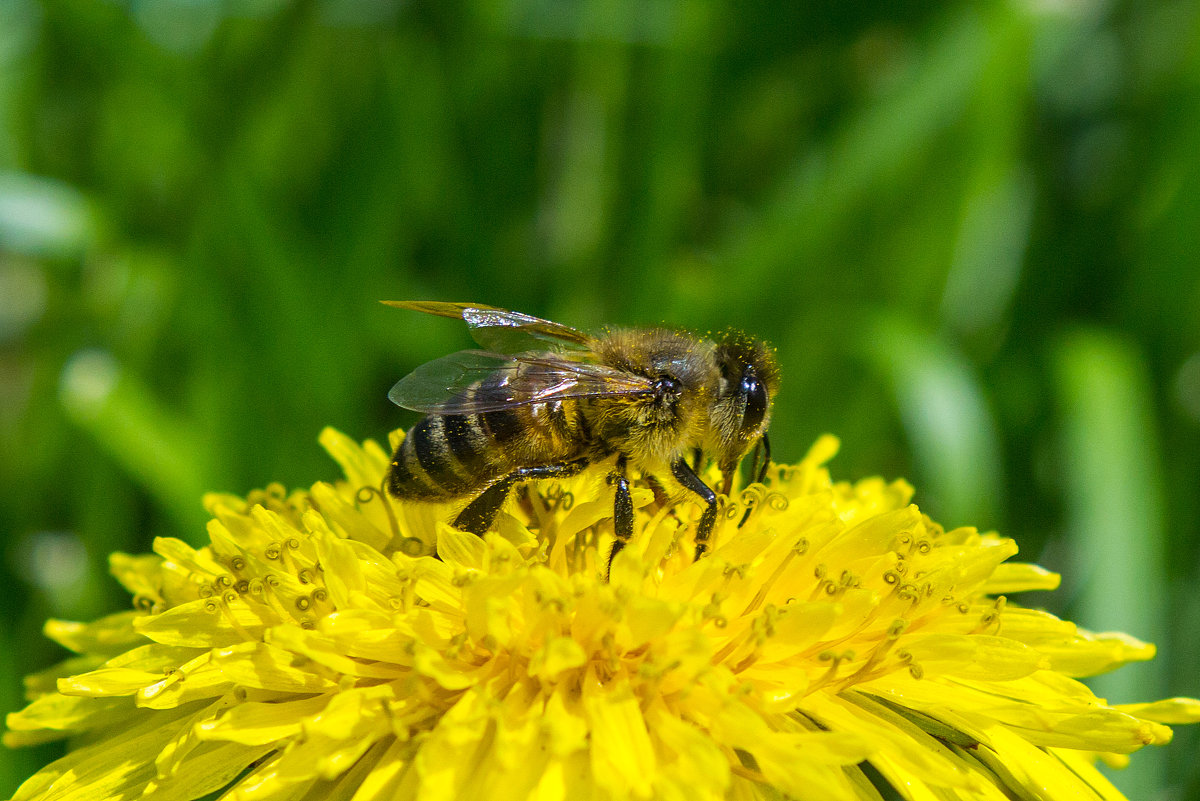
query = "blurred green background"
x=970 y=228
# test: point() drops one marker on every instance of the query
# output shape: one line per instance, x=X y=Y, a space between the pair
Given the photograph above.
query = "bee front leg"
x=622 y=510
x=480 y=513
x=758 y=470
x=685 y=476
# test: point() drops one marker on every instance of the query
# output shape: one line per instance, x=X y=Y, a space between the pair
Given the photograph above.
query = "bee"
x=543 y=400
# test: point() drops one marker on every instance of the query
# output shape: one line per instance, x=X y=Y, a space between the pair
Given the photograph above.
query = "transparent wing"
x=473 y=381
x=500 y=330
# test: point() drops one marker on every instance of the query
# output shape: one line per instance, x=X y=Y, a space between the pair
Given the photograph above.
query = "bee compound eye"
x=666 y=385
x=756 y=400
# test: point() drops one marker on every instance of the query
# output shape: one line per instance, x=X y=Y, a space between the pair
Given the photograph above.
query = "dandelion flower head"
x=335 y=643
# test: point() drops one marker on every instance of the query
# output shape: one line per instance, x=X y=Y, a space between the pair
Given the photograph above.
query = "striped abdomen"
x=447 y=456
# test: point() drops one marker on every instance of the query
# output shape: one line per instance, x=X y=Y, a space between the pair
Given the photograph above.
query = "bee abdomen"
x=443 y=456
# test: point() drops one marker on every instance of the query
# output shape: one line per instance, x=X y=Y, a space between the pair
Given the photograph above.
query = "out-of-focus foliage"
x=971 y=229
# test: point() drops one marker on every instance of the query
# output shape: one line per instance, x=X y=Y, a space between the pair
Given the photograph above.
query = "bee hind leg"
x=481 y=512
x=685 y=476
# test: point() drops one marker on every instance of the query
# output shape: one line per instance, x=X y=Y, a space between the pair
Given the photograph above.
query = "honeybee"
x=543 y=400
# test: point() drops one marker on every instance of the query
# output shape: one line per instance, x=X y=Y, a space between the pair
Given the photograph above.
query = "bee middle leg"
x=622 y=510
x=685 y=476
x=480 y=513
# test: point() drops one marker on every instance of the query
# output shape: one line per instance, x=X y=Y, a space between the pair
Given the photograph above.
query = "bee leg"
x=759 y=471
x=697 y=455
x=622 y=510
x=480 y=513
x=684 y=475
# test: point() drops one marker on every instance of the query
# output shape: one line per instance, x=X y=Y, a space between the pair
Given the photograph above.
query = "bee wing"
x=500 y=330
x=472 y=381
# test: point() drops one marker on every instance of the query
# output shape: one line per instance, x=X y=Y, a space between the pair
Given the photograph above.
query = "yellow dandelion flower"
x=838 y=644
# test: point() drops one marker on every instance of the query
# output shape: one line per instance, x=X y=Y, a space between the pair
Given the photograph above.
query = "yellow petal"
x=798 y=626
x=108 y=681
x=623 y=761
x=1013 y=577
x=111 y=633
x=1093 y=654
x=256 y=665
x=115 y=768
x=180 y=553
x=974 y=657
x=206 y=623
x=388 y=776
x=1035 y=772
x=461 y=549
x=566 y=730
x=326 y=652
x=55 y=716
x=361 y=464
x=258 y=723
x=691 y=765
x=917 y=750
x=1169 y=710
x=557 y=655
x=139 y=574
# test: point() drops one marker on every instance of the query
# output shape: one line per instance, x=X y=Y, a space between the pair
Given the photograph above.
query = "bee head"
x=742 y=411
